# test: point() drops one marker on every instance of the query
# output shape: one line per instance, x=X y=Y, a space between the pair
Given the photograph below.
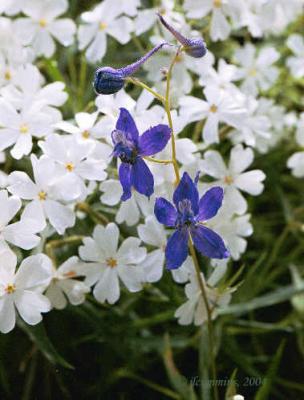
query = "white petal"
x=251 y=182
x=7 y=314
x=107 y=289
x=213 y=164
x=30 y=305
x=240 y=159
x=130 y=252
x=60 y=216
x=63 y=30
x=56 y=296
x=107 y=239
x=34 y=271
x=131 y=277
x=21 y=185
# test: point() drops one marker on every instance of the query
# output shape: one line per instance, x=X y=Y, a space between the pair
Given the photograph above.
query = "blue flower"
x=131 y=148
x=187 y=219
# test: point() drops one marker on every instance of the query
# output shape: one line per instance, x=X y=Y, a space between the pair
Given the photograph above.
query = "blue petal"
x=125 y=180
x=165 y=212
x=142 y=178
x=208 y=242
x=210 y=203
x=126 y=123
x=154 y=140
x=177 y=249
x=186 y=189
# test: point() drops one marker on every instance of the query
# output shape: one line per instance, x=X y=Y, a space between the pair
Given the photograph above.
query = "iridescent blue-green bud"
x=109 y=80
x=195 y=47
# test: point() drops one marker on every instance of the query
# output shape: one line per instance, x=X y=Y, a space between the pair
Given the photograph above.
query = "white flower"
x=256 y=126
x=65 y=287
x=88 y=129
x=43 y=195
x=17 y=129
x=42 y=25
x=296 y=161
x=103 y=20
x=26 y=91
x=194 y=309
x=11 y=7
x=22 y=233
x=296 y=63
x=129 y=211
x=181 y=81
x=219 y=107
x=222 y=78
x=22 y=289
x=233 y=229
x=256 y=71
x=221 y=9
x=233 y=178
x=153 y=233
x=75 y=165
x=111 y=264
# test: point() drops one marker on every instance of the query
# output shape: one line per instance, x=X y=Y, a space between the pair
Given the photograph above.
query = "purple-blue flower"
x=186 y=216
x=131 y=148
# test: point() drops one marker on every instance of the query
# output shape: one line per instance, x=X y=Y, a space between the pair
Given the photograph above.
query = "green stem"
x=146 y=87
x=167 y=105
x=209 y=317
x=155 y=160
x=96 y=217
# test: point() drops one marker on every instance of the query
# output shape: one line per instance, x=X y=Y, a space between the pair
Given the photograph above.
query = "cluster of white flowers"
x=69 y=160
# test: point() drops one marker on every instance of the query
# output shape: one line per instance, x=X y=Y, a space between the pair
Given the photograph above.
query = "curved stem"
x=209 y=317
x=142 y=85
x=156 y=160
x=167 y=105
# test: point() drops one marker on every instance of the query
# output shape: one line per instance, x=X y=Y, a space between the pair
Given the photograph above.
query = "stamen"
x=42 y=195
x=103 y=26
x=111 y=262
x=217 y=3
x=10 y=288
x=69 y=167
x=213 y=108
x=228 y=180
x=86 y=134
x=24 y=128
x=42 y=23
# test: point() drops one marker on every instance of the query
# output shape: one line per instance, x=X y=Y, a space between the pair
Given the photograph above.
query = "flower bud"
x=109 y=80
x=195 y=47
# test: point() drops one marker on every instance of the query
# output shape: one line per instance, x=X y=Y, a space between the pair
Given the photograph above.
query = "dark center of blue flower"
x=186 y=215
x=124 y=148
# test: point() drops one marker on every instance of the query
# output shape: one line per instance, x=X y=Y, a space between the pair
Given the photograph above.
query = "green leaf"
x=265 y=390
x=178 y=381
x=231 y=389
x=275 y=297
x=38 y=336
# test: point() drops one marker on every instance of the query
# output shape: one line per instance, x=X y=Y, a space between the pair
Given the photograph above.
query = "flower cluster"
x=121 y=159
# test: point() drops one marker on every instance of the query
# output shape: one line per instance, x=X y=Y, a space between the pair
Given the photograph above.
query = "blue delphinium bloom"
x=194 y=47
x=131 y=148
x=187 y=219
x=108 y=80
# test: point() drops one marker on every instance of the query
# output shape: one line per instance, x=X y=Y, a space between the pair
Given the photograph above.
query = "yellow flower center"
x=10 y=288
x=213 y=108
x=102 y=26
x=7 y=75
x=42 y=195
x=70 y=274
x=42 y=23
x=162 y=11
x=24 y=128
x=69 y=167
x=111 y=262
x=228 y=180
x=86 y=134
x=217 y=3
x=252 y=72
